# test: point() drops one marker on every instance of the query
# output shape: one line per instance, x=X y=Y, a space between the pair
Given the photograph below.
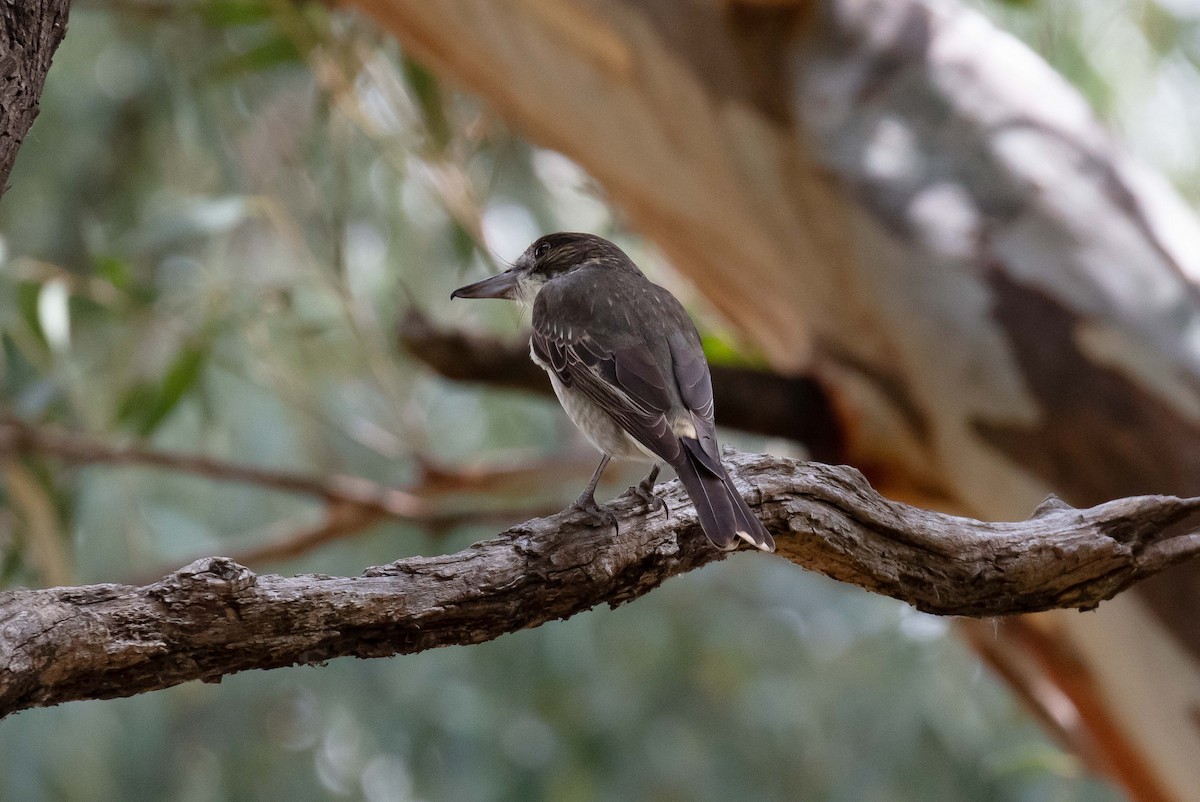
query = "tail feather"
x=724 y=514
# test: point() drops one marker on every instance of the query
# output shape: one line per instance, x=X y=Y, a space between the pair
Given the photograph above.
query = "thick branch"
x=758 y=401
x=216 y=617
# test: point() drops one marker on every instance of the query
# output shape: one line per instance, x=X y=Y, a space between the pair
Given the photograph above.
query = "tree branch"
x=216 y=617
x=412 y=503
x=21 y=438
x=353 y=503
x=347 y=520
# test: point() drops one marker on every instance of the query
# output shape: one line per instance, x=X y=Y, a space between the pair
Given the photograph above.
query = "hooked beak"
x=501 y=285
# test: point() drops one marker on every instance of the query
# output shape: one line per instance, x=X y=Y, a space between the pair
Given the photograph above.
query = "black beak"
x=501 y=285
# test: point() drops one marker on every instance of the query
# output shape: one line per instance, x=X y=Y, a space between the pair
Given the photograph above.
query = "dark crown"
x=558 y=253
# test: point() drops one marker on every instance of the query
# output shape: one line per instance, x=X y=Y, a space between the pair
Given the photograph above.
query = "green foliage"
x=235 y=12
x=145 y=405
x=274 y=50
x=27 y=294
x=115 y=271
x=428 y=95
x=721 y=349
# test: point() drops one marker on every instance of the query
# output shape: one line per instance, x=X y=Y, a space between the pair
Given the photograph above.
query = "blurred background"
x=214 y=232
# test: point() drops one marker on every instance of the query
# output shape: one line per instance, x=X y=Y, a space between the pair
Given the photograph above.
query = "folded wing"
x=651 y=377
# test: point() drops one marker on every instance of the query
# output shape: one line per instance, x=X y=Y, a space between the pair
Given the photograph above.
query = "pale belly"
x=601 y=430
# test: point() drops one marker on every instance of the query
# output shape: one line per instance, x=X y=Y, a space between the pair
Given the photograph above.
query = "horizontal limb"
x=216 y=617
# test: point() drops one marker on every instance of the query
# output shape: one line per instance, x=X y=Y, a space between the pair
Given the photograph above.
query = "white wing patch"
x=683 y=427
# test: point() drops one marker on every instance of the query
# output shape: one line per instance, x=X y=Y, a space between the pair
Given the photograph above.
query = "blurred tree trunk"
x=907 y=204
x=30 y=32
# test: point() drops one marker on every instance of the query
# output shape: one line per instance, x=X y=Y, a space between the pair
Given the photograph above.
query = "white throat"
x=527 y=289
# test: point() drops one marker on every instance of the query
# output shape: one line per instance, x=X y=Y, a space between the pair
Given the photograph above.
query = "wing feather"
x=646 y=376
x=624 y=384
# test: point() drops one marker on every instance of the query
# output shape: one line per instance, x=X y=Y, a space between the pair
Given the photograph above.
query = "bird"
x=628 y=367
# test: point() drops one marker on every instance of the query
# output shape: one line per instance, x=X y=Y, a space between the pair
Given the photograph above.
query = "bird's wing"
x=723 y=512
x=668 y=409
x=624 y=380
x=695 y=387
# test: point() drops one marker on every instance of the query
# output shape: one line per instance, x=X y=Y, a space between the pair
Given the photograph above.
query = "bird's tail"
x=723 y=512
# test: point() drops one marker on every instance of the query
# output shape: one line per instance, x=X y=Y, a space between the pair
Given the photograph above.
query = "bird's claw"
x=646 y=494
x=599 y=516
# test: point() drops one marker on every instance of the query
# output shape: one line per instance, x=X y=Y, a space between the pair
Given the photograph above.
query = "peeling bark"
x=216 y=617
x=1095 y=417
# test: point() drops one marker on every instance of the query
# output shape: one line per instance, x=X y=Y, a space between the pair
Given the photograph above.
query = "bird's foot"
x=586 y=504
x=645 y=491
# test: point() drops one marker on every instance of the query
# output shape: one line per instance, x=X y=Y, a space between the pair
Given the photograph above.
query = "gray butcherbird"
x=627 y=365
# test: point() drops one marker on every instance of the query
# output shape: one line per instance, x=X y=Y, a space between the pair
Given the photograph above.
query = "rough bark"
x=904 y=203
x=216 y=617
x=30 y=32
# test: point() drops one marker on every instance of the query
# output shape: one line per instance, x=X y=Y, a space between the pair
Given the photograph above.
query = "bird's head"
x=549 y=258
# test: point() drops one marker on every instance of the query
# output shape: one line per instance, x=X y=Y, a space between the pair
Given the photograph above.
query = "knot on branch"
x=217 y=576
x=1052 y=503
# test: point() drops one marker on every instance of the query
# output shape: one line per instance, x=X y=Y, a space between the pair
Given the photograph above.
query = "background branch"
x=355 y=497
x=216 y=617
x=352 y=503
x=21 y=438
x=345 y=520
x=753 y=400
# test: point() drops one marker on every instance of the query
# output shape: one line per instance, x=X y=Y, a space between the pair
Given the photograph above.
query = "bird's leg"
x=586 y=502
x=645 y=491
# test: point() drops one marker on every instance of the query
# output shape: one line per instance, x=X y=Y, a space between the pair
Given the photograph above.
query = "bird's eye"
x=541 y=250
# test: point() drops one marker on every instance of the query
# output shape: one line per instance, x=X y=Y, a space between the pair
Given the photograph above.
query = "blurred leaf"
x=27 y=302
x=54 y=313
x=20 y=377
x=119 y=273
x=233 y=12
x=462 y=243
x=132 y=409
x=425 y=89
x=276 y=50
x=147 y=405
x=11 y=562
x=720 y=350
x=1035 y=757
x=183 y=374
x=196 y=218
x=115 y=271
x=1161 y=29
